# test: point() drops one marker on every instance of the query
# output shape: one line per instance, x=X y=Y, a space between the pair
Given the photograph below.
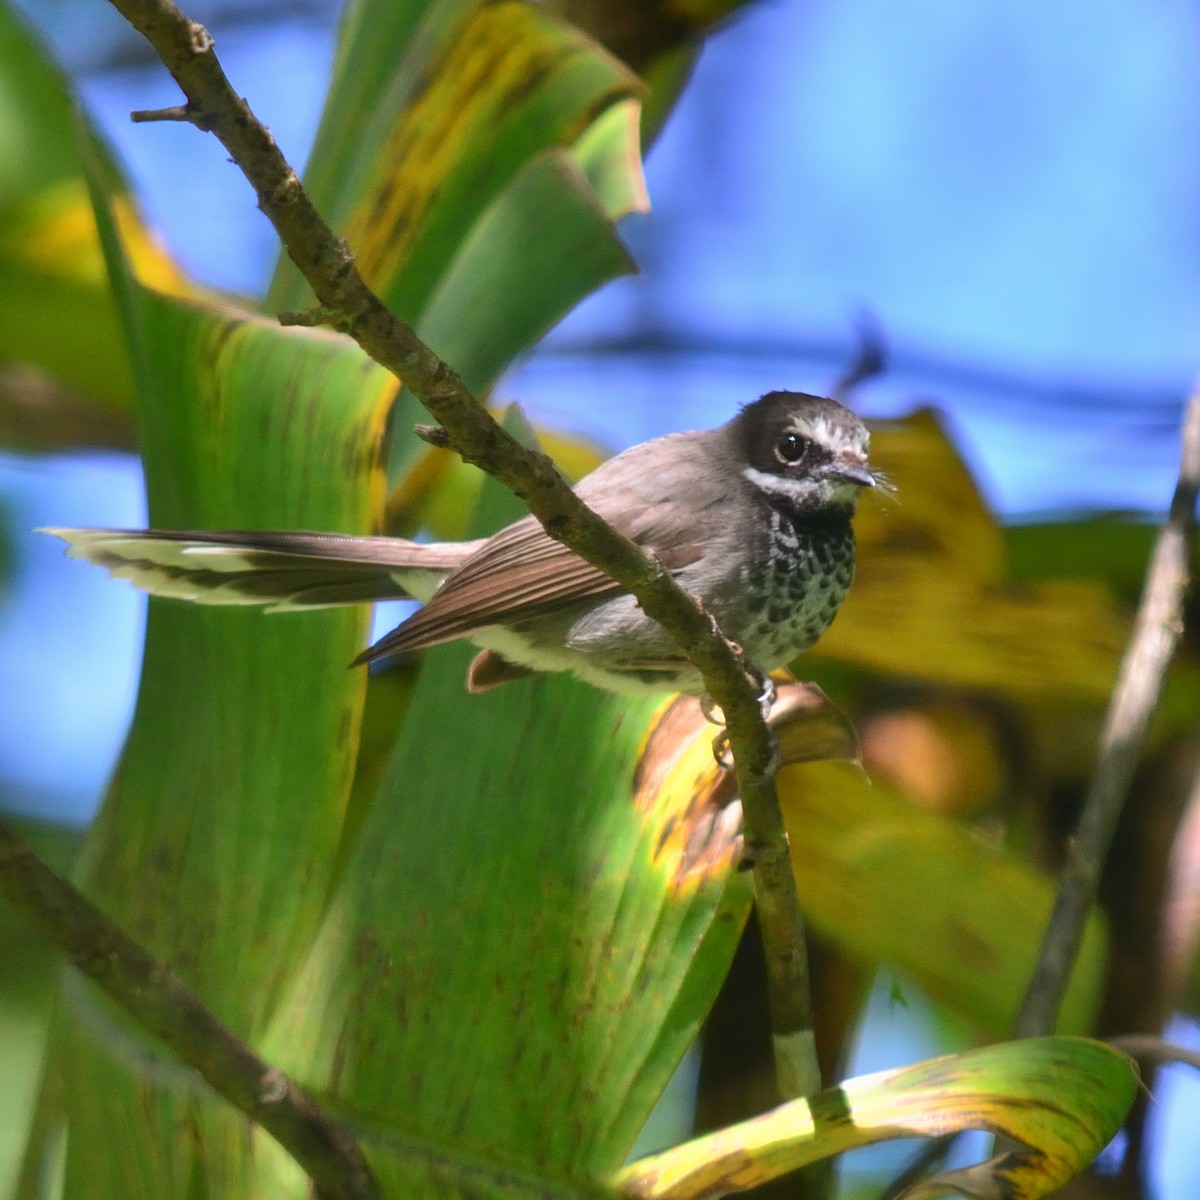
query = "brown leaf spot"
x=679 y=785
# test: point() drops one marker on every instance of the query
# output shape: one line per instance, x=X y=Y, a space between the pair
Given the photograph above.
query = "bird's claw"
x=767 y=691
x=722 y=751
x=767 y=694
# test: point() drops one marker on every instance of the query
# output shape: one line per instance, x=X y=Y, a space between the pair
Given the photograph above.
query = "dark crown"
x=758 y=426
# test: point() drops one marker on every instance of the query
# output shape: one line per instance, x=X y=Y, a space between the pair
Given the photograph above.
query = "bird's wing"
x=521 y=572
x=278 y=570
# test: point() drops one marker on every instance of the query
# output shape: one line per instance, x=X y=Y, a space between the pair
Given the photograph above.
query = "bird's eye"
x=792 y=447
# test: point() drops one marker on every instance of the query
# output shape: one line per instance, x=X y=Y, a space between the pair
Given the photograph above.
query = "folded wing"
x=521 y=573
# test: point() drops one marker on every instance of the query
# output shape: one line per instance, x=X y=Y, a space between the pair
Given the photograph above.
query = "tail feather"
x=276 y=570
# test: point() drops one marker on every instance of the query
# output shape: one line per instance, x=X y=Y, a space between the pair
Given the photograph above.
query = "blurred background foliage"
x=1014 y=223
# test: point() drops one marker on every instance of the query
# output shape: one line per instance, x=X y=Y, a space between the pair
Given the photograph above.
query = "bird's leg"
x=767 y=694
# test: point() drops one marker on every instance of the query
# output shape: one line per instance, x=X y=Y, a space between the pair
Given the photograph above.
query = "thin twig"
x=435 y=435
x=176 y=112
x=1156 y=632
x=325 y=261
x=1147 y=1048
x=155 y=997
x=870 y=357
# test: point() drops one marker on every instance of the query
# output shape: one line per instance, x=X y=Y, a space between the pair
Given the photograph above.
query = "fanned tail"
x=279 y=571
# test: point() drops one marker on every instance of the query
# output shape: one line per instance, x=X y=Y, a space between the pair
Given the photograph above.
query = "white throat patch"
x=793 y=489
x=803 y=492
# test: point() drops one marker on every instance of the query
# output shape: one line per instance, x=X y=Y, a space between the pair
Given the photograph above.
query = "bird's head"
x=807 y=451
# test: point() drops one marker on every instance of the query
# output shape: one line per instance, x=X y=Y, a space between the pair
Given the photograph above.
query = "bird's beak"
x=851 y=470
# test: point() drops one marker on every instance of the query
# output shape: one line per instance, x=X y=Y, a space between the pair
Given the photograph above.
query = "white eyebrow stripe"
x=827 y=434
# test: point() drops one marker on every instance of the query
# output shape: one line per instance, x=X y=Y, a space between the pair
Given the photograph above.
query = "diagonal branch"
x=154 y=995
x=346 y=301
x=1156 y=633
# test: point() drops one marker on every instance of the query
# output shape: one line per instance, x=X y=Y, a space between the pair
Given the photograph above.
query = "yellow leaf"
x=55 y=232
x=1063 y=1098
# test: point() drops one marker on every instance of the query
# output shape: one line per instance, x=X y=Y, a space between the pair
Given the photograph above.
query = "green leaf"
x=479 y=193
x=537 y=250
x=659 y=39
x=27 y=982
x=1063 y=1098
x=229 y=803
x=880 y=878
x=444 y=504
x=471 y=93
x=37 y=117
x=247 y=427
x=1112 y=547
x=896 y=885
x=56 y=311
x=520 y=951
x=1108 y=551
x=609 y=153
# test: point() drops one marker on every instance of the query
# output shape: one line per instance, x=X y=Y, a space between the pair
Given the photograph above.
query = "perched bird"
x=752 y=518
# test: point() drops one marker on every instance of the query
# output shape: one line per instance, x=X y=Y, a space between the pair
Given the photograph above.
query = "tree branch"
x=150 y=992
x=39 y=414
x=1145 y=1047
x=325 y=261
x=1156 y=633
